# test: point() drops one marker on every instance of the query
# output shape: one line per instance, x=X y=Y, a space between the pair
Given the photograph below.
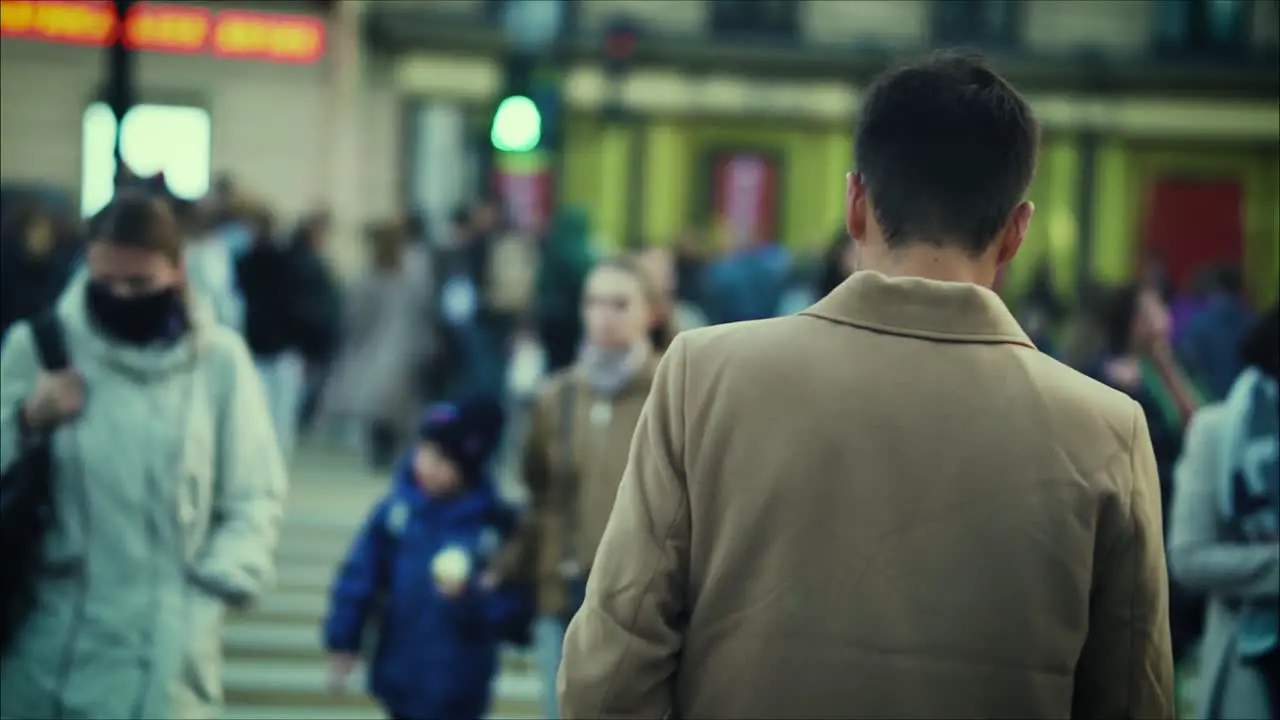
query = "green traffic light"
x=517 y=125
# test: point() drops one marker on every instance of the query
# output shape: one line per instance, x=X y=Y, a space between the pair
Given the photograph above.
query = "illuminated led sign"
x=154 y=27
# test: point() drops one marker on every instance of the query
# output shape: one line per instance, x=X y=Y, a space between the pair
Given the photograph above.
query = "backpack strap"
x=51 y=343
x=567 y=402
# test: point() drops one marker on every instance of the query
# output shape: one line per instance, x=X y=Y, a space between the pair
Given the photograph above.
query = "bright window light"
x=171 y=139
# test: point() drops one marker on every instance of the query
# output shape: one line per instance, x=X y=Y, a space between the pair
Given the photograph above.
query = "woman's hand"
x=57 y=398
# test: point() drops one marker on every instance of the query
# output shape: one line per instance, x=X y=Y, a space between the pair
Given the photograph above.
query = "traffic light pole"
x=524 y=149
x=120 y=84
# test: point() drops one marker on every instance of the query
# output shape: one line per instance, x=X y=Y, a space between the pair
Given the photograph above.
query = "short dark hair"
x=946 y=149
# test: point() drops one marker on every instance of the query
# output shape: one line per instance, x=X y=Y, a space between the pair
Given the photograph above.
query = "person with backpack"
x=140 y=420
x=579 y=437
x=417 y=574
x=1224 y=534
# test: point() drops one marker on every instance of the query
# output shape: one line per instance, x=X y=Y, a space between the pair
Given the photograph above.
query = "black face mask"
x=139 y=319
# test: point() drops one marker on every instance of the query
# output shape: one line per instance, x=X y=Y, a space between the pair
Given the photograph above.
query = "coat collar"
x=916 y=307
x=638 y=385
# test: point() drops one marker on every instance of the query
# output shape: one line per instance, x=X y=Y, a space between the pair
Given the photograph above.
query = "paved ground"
x=329 y=482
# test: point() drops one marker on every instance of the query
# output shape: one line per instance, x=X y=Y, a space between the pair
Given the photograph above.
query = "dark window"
x=755 y=19
x=1202 y=28
x=995 y=24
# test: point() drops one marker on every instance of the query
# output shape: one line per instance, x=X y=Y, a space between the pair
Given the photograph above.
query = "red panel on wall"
x=745 y=195
x=1193 y=223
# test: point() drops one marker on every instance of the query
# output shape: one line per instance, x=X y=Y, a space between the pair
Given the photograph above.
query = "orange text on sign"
x=74 y=23
x=155 y=27
x=262 y=36
x=167 y=28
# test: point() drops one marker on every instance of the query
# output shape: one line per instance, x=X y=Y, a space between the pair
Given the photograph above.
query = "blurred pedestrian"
x=167 y=480
x=1209 y=343
x=271 y=299
x=1225 y=534
x=457 y=304
x=576 y=451
x=374 y=379
x=890 y=505
x=1140 y=362
x=476 y=327
x=669 y=318
x=837 y=263
x=566 y=259
x=316 y=305
x=417 y=576
x=1042 y=311
x=748 y=282
x=210 y=267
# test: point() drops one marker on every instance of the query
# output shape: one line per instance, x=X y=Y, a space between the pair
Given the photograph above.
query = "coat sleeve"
x=510 y=607
x=621 y=650
x=19 y=369
x=1199 y=558
x=250 y=485
x=509 y=613
x=1125 y=669
x=517 y=561
x=363 y=574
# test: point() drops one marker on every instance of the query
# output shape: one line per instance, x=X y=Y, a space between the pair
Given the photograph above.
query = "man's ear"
x=855 y=207
x=1015 y=231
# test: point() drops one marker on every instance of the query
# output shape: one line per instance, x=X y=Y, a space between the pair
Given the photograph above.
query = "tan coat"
x=602 y=430
x=888 y=506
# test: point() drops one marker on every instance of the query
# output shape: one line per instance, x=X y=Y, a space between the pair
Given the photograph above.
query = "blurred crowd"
x=562 y=343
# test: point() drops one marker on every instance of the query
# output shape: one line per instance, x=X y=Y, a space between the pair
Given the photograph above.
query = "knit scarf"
x=1250 y=496
x=609 y=370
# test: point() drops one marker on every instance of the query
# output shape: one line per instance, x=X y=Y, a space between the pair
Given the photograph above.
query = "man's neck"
x=933 y=263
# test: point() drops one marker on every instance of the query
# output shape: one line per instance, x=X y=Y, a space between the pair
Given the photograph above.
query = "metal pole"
x=121 y=93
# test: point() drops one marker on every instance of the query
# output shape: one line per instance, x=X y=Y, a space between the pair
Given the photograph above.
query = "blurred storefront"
x=1160 y=118
x=265 y=79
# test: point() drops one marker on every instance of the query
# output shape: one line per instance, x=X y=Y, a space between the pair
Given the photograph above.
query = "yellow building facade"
x=639 y=179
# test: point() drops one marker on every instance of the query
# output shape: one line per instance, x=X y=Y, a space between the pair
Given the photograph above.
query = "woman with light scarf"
x=576 y=451
x=1224 y=532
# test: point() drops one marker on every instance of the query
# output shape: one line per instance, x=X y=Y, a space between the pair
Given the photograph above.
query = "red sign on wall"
x=155 y=27
x=745 y=196
x=527 y=189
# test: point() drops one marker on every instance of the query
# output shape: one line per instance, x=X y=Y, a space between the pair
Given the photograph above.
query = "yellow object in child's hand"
x=451 y=569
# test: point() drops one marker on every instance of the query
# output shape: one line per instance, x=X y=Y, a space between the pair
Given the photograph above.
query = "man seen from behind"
x=890 y=505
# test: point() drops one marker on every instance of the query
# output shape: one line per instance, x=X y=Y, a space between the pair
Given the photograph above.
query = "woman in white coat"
x=168 y=485
x=1224 y=533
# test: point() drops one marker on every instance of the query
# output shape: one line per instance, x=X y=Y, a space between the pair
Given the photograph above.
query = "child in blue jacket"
x=417 y=571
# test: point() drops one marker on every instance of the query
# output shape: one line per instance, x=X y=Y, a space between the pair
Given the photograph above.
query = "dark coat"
x=316 y=306
x=262 y=274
